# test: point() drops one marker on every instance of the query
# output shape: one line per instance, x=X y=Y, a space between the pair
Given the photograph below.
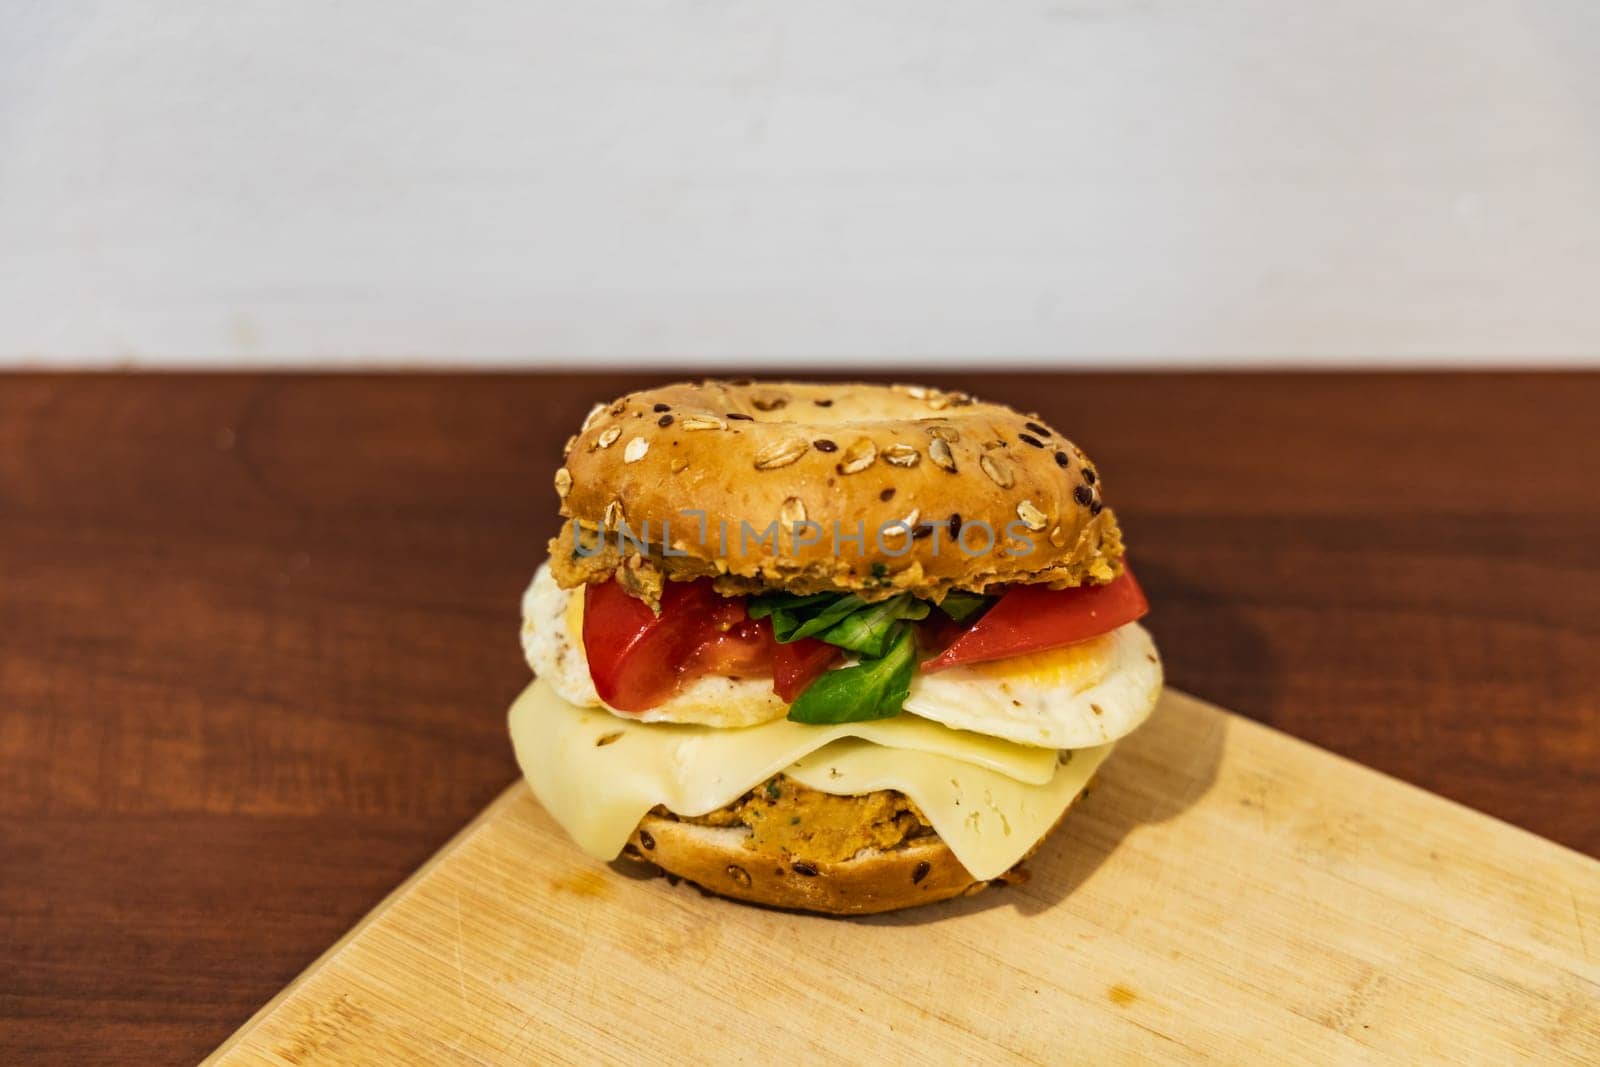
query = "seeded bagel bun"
x=920 y=871
x=836 y=456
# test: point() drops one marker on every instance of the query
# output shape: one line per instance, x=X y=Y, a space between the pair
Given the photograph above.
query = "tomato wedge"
x=638 y=658
x=1031 y=618
x=741 y=651
x=798 y=664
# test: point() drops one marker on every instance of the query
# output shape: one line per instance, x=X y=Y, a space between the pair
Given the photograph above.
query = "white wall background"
x=1091 y=181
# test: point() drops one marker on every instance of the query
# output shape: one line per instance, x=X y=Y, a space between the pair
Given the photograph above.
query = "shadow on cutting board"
x=1155 y=774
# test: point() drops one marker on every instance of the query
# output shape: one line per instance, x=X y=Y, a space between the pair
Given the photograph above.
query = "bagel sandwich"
x=842 y=648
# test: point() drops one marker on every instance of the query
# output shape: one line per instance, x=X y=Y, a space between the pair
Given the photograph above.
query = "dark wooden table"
x=258 y=634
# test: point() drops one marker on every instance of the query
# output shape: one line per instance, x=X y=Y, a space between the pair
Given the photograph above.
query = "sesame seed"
x=1096 y=508
x=1032 y=440
x=887 y=494
x=665 y=420
x=661 y=407
x=1083 y=495
x=741 y=418
x=822 y=444
x=1061 y=459
x=1036 y=428
x=823 y=403
x=1089 y=475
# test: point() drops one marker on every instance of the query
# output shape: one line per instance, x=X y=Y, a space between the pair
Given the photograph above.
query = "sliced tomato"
x=938 y=632
x=638 y=658
x=742 y=651
x=798 y=664
x=1031 y=618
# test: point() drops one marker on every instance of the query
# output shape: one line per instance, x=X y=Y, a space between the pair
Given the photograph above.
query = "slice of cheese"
x=598 y=774
x=989 y=820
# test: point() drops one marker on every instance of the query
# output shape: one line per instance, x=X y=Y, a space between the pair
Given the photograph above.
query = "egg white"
x=1080 y=696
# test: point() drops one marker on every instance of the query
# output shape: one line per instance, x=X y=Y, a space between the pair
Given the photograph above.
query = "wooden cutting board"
x=1224 y=891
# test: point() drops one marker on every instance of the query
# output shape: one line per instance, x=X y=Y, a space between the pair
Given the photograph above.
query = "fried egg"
x=1080 y=696
x=1074 y=697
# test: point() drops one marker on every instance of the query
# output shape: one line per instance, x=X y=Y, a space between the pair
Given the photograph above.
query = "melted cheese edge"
x=989 y=821
x=597 y=774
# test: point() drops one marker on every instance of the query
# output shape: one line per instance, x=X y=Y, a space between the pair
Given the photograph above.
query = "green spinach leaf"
x=809 y=617
x=872 y=689
x=962 y=606
x=870 y=630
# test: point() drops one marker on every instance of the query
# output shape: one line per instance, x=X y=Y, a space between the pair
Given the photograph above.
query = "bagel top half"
x=911 y=468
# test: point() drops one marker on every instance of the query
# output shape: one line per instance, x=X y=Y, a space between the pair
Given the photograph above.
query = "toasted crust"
x=833 y=455
x=921 y=871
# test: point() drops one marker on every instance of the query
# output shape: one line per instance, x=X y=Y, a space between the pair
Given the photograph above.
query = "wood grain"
x=1224 y=893
x=257 y=633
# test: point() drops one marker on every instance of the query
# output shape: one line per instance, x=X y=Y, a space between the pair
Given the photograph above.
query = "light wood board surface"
x=1224 y=892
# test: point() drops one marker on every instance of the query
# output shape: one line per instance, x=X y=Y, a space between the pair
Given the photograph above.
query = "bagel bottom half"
x=717 y=859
